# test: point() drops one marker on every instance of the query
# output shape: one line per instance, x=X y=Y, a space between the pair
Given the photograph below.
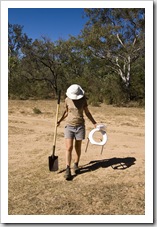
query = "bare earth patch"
x=111 y=183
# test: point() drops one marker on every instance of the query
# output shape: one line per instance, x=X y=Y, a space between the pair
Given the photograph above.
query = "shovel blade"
x=53 y=163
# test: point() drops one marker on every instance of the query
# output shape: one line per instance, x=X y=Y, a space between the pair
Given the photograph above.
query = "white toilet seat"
x=100 y=129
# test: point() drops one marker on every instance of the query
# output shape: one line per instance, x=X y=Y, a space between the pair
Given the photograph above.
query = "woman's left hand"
x=95 y=125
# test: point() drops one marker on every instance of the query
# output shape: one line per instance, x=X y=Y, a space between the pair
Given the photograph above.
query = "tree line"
x=107 y=59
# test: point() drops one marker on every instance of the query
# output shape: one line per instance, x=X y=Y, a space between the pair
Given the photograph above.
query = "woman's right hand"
x=58 y=124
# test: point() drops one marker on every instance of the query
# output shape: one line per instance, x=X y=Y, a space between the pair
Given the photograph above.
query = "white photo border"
x=148 y=217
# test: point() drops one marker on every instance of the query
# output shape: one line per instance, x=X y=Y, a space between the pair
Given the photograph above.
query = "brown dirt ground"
x=111 y=183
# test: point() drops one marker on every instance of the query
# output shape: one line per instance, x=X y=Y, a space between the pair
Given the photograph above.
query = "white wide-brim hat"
x=75 y=92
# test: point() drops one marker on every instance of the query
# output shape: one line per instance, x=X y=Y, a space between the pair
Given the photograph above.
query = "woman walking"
x=75 y=106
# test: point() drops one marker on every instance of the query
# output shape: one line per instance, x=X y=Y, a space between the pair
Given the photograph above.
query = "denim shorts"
x=75 y=132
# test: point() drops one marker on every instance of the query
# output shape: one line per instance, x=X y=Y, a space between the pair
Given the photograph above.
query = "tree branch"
x=120 y=40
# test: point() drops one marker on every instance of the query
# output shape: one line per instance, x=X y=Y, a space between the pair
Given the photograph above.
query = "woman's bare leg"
x=78 y=144
x=69 y=148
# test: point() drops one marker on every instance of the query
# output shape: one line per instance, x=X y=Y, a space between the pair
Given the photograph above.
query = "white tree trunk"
x=125 y=75
x=125 y=71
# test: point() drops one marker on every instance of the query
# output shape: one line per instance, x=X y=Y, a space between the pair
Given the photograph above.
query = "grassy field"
x=111 y=183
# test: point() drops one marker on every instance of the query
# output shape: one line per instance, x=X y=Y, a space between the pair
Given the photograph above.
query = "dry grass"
x=111 y=183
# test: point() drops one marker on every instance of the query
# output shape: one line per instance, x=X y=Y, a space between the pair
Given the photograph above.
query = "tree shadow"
x=115 y=163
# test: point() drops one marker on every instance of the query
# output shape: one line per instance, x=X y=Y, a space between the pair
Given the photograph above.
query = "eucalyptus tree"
x=42 y=62
x=115 y=36
x=73 y=59
x=16 y=41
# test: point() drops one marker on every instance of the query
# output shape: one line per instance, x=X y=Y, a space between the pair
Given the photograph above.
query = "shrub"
x=114 y=91
x=36 y=110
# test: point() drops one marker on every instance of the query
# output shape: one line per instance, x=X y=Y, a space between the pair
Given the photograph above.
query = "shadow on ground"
x=115 y=163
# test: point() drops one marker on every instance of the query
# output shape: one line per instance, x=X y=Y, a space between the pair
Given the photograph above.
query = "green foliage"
x=138 y=81
x=37 y=111
x=116 y=37
x=109 y=67
x=113 y=91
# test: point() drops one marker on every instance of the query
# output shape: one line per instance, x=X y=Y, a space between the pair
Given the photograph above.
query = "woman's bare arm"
x=89 y=115
x=65 y=114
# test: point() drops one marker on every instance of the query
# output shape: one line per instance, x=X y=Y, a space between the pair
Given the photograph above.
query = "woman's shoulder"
x=85 y=101
x=67 y=99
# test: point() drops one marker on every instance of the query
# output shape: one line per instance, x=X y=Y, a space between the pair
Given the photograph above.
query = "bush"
x=114 y=91
x=36 y=110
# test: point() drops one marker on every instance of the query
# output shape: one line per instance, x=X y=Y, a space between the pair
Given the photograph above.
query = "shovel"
x=53 y=160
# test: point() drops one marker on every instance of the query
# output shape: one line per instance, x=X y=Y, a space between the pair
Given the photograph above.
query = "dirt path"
x=109 y=183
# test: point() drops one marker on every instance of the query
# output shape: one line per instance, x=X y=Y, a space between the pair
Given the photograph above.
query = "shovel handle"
x=59 y=97
x=53 y=150
x=56 y=120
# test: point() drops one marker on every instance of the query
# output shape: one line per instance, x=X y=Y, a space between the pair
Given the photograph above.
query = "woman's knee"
x=78 y=144
x=69 y=145
x=69 y=148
